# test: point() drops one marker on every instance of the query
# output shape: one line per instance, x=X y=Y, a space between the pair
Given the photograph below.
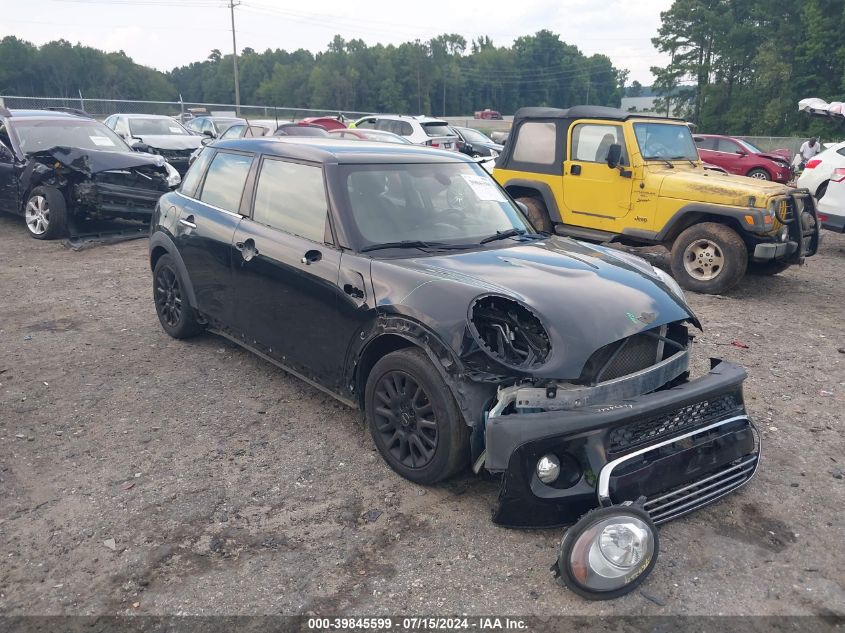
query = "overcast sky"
x=169 y=33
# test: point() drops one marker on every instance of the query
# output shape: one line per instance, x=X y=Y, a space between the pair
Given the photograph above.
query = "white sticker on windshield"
x=175 y=130
x=103 y=141
x=484 y=188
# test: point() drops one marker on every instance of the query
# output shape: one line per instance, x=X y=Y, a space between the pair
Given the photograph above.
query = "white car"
x=164 y=136
x=819 y=169
x=831 y=206
x=420 y=130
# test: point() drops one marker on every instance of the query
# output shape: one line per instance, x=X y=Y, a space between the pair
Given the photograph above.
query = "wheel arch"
x=519 y=187
x=161 y=244
x=690 y=215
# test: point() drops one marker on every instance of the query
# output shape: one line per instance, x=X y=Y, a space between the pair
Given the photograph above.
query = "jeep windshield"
x=34 y=136
x=441 y=205
x=665 y=141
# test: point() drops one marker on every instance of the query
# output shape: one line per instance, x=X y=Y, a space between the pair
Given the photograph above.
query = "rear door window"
x=437 y=129
x=292 y=197
x=726 y=145
x=705 y=143
x=535 y=143
x=224 y=183
x=367 y=124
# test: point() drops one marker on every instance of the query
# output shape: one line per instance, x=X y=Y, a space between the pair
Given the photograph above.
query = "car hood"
x=90 y=161
x=698 y=185
x=586 y=296
x=774 y=157
x=170 y=141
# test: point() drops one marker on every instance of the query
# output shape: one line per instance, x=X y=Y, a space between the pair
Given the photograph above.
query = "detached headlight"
x=667 y=279
x=608 y=553
x=173 y=177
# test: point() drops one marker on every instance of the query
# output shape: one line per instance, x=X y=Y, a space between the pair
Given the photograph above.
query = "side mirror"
x=206 y=140
x=614 y=155
x=742 y=152
x=208 y=133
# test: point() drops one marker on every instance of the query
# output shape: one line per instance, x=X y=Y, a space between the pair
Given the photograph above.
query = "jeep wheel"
x=175 y=313
x=45 y=213
x=767 y=268
x=538 y=215
x=759 y=174
x=414 y=421
x=709 y=258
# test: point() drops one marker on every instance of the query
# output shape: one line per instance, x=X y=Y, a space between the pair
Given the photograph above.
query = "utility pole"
x=232 y=5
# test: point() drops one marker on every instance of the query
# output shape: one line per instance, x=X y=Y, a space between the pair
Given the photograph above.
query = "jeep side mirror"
x=614 y=155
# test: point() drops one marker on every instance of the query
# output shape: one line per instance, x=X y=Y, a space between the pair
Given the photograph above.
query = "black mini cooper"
x=405 y=282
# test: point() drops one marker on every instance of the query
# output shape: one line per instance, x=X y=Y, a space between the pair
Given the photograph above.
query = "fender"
x=160 y=240
x=545 y=192
x=668 y=231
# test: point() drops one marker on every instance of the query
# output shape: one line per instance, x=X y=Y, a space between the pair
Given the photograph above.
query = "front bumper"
x=111 y=200
x=797 y=211
x=681 y=448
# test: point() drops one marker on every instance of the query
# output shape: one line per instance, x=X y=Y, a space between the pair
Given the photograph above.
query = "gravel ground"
x=139 y=474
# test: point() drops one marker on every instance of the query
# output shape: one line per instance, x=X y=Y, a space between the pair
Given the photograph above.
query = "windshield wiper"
x=503 y=235
x=665 y=160
x=689 y=160
x=402 y=244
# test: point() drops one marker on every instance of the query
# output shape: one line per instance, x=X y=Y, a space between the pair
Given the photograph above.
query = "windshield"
x=451 y=203
x=34 y=136
x=663 y=141
x=748 y=146
x=384 y=137
x=474 y=136
x=438 y=128
x=224 y=124
x=165 y=127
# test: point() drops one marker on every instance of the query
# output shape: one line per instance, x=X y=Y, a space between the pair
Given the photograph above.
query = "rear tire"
x=538 y=215
x=759 y=173
x=45 y=213
x=709 y=258
x=175 y=313
x=413 y=418
x=767 y=268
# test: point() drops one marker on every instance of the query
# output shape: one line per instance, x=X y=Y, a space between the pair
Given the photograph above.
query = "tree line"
x=741 y=66
x=443 y=76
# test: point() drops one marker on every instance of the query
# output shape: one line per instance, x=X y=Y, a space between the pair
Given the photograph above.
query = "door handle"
x=310 y=257
x=575 y=170
x=247 y=249
x=189 y=222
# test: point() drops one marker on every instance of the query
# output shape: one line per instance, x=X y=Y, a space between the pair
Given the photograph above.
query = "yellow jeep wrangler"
x=601 y=174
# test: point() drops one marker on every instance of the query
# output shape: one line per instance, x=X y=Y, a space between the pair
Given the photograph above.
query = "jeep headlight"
x=173 y=177
x=667 y=279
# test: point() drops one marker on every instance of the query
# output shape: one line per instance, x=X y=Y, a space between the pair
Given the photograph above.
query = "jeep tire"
x=537 y=214
x=709 y=258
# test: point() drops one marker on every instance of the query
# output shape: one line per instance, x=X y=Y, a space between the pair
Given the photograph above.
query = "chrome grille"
x=670 y=505
x=629 y=436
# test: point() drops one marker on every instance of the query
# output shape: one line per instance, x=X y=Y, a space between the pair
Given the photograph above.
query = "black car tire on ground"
x=767 y=268
x=50 y=211
x=537 y=214
x=716 y=251
x=759 y=173
x=175 y=313
x=410 y=409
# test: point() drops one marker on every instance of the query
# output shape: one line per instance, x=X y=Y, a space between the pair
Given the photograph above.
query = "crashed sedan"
x=60 y=167
x=404 y=282
x=157 y=134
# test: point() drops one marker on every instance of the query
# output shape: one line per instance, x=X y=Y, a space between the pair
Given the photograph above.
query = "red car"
x=487 y=113
x=327 y=122
x=740 y=157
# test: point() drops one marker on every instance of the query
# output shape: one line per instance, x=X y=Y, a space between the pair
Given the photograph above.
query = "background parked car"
x=327 y=122
x=831 y=206
x=251 y=130
x=742 y=158
x=157 y=134
x=500 y=137
x=487 y=113
x=475 y=143
x=420 y=130
x=212 y=126
x=819 y=170
x=58 y=166
x=369 y=135
x=300 y=129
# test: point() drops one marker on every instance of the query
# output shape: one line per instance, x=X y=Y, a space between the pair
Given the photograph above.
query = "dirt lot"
x=194 y=478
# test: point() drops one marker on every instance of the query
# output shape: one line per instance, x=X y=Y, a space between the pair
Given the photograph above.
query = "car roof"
x=137 y=115
x=47 y=114
x=584 y=112
x=339 y=151
x=405 y=117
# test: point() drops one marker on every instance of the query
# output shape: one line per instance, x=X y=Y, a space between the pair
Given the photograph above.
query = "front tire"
x=45 y=213
x=537 y=214
x=759 y=173
x=709 y=258
x=413 y=418
x=175 y=313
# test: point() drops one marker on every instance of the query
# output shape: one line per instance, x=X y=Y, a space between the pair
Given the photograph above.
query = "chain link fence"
x=101 y=108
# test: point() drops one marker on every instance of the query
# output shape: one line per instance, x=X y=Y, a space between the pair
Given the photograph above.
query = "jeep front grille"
x=630 y=436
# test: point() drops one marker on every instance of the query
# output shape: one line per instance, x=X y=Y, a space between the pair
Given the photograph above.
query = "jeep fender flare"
x=694 y=213
x=159 y=242
x=543 y=190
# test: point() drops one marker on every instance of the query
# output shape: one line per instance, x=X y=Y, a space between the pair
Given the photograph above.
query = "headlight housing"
x=509 y=332
x=608 y=552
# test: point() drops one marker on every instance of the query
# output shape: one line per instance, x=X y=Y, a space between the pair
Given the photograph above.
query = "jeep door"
x=285 y=272
x=211 y=196
x=594 y=193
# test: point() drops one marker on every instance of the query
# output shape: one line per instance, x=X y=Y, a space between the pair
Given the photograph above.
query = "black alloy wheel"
x=405 y=420
x=168 y=296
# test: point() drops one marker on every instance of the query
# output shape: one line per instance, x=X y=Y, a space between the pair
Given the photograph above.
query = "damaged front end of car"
x=102 y=184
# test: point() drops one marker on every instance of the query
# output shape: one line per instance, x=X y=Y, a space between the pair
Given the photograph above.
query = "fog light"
x=784 y=234
x=608 y=553
x=548 y=468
